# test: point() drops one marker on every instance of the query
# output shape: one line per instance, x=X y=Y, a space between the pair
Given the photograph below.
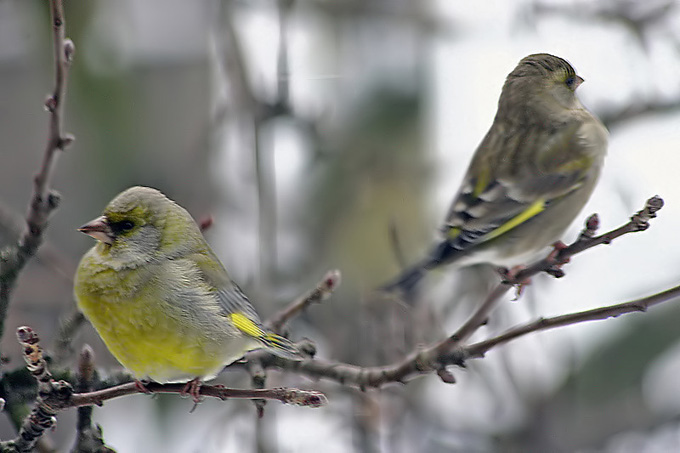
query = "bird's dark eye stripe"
x=123 y=225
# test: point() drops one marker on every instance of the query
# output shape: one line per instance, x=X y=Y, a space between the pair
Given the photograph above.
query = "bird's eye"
x=570 y=81
x=122 y=226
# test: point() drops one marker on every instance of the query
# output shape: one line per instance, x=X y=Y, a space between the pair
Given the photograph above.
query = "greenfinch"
x=529 y=178
x=159 y=297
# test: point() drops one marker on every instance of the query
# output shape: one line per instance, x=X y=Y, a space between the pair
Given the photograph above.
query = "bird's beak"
x=99 y=229
x=579 y=81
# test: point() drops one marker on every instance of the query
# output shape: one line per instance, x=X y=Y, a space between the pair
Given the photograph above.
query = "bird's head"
x=141 y=224
x=540 y=82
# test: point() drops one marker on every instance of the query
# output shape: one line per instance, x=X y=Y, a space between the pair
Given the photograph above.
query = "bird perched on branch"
x=159 y=297
x=529 y=178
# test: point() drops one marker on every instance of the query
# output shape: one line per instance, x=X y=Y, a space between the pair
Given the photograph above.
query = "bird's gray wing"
x=501 y=191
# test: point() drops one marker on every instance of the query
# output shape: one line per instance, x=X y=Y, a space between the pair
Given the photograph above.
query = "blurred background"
x=323 y=134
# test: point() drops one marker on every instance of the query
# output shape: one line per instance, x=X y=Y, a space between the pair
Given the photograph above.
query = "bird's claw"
x=193 y=389
x=141 y=387
x=555 y=261
x=509 y=276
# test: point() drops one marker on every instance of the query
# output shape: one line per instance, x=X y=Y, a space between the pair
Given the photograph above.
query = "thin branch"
x=436 y=357
x=638 y=222
x=276 y=323
x=89 y=438
x=322 y=292
x=298 y=397
x=12 y=223
x=55 y=396
x=44 y=200
x=552 y=265
x=477 y=350
x=43 y=415
x=450 y=351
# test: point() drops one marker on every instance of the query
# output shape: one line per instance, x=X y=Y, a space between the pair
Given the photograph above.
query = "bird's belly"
x=161 y=343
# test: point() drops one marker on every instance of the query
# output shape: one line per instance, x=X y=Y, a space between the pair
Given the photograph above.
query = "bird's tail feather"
x=275 y=344
x=280 y=346
x=407 y=282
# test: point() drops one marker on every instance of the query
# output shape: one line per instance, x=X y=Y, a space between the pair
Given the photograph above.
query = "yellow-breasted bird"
x=160 y=298
x=530 y=176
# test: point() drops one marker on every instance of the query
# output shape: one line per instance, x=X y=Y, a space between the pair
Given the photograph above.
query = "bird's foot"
x=556 y=264
x=557 y=248
x=193 y=389
x=141 y=386
x=510 y=275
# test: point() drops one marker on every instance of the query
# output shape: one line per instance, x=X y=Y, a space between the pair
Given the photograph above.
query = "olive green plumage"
x=530 y=176
x=159 y=297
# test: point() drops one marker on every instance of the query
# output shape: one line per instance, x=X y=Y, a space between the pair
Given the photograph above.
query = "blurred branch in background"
x=11 y=226
x=44 y=200
x=244 y=105
x=42 y=203
x=323 y=290
x=640 y=18
x=613 y=117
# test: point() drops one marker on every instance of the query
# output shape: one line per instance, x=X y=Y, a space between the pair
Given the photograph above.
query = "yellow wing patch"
x=453 y=233
x=274 y=343
x=245 y=325
x=481 y=183
x=535 y=208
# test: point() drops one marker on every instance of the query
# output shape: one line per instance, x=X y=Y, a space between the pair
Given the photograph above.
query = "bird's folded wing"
x=496 y=199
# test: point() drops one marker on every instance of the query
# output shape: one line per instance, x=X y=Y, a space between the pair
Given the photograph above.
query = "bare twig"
x=638 y=222
x=322 y=291
x=12 y=223
x=42 y=416
x=308 y=398
x=451 y=351
x=44 y=200
x=638 y=305
x=436 y=358
x=55 y=396
x=551 y=264
x=88 y=438
x=258 y=378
